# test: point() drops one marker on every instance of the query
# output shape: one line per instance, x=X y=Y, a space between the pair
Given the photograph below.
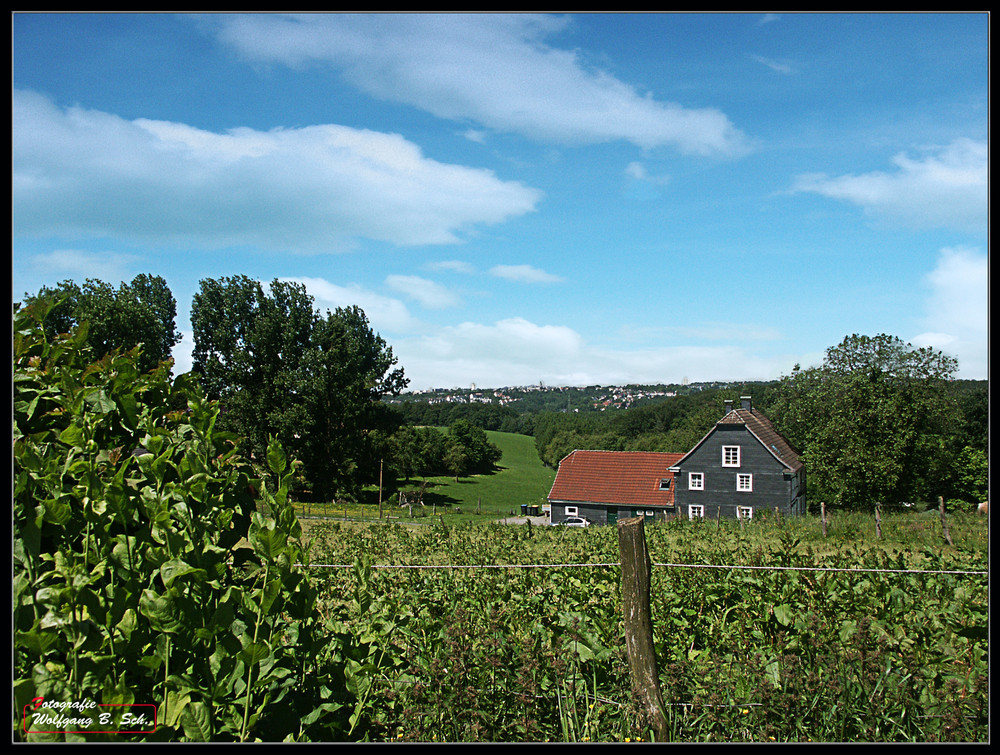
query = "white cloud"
x=312 y=189
x=79 y=265
x=428 y=293
x=637 y=171
x=494 y=70
x=775 y=65
x=946 y=187
x=454 y=266
x=516 y=351
x=957 y=310
x=523 y=274
x=385 y=314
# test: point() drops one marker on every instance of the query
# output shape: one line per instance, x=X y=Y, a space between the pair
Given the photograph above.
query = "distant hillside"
x=521 y=478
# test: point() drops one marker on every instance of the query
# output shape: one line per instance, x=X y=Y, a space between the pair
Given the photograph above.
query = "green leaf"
x=276 y=457
x=175 y=568
x=36 y=642
x=73 y=436
x=255 y=652
x=57 y=512
x=196 y=722
x=161 y=611
x=784 y=614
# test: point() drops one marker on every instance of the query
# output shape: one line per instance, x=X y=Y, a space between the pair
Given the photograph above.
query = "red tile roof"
x=615 y=477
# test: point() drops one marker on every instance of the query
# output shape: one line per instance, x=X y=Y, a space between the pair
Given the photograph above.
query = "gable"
x=615 y=477
x=761 y=429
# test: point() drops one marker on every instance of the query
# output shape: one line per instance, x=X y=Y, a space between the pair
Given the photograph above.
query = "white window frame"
x=744 y=482
x=572 y=511
x=696 y=511
x=727 y=452
x=664 y=483
x=696 y=480
x=744 y=512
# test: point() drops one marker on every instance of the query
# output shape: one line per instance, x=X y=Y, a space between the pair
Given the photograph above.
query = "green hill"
x=520 y=479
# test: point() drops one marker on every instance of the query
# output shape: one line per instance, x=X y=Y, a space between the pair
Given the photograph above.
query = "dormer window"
x=665 y=483
x=730 y=456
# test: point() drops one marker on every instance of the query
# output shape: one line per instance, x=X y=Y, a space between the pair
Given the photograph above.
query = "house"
x=740 y=467
x=602 y=486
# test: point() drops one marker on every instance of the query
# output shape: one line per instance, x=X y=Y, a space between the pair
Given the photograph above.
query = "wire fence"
x=956 y=572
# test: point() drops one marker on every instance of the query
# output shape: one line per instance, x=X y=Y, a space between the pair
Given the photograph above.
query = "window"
x=572 y=511
x=744 y=483
x=730 y=456
x=665 y=483
x=744 y=512
x=696 y=481
x=696 y=512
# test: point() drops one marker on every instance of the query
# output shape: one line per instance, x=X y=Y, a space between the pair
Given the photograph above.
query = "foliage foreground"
x=154 y=566
x=151 y=566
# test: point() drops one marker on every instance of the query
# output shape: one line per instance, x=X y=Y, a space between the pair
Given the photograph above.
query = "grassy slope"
x=521 y=478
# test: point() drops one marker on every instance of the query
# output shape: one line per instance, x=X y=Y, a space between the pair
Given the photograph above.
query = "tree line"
x=420 y=451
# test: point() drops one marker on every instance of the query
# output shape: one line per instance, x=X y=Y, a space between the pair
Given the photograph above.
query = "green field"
x=520 y=478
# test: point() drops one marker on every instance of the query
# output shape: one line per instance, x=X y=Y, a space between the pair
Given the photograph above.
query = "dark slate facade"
x=740 y=469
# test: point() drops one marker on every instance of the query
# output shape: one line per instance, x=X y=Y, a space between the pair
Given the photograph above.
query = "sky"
x=519 y=199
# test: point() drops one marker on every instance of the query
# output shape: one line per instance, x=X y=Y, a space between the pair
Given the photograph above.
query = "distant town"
x=559 y=398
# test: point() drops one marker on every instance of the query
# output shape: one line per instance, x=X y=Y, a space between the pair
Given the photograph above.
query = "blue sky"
x=571 y=199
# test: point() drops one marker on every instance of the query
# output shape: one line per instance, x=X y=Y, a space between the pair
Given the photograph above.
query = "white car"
x=574 y=521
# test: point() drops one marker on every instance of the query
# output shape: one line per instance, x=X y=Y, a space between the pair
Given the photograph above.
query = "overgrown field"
x=518 y=634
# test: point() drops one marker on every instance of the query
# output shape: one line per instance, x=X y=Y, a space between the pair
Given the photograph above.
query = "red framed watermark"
x=88 y=717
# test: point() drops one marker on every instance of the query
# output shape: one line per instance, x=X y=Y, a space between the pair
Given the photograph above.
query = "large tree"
x=279 y=368
x=140 y=313
x=871 y=421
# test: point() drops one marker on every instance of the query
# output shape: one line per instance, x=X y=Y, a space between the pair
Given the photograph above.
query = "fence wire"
x=955 y=572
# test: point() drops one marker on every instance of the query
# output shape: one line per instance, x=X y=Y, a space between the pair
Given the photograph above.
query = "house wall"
x=602 y=513
x=771 y=486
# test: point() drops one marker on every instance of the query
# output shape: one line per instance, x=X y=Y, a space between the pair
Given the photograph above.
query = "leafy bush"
x=150 y=566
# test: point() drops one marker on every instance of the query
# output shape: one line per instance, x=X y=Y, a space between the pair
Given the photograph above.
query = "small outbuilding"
x=603 y=486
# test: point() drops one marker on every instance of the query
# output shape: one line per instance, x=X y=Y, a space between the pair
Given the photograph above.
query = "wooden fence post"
x=878 y=521
x=822 y=515
x=944 y=522
x=635 y=567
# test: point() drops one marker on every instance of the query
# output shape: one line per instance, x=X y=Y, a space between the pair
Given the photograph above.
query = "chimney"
x=728 y=403
x=745 y=403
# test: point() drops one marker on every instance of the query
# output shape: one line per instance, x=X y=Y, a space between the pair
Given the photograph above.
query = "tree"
x=281 y=369
x=871 y=422
x=248 y=346
x=456 y=459
x=142 y=312
x=340 y=381
x=481 y=455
